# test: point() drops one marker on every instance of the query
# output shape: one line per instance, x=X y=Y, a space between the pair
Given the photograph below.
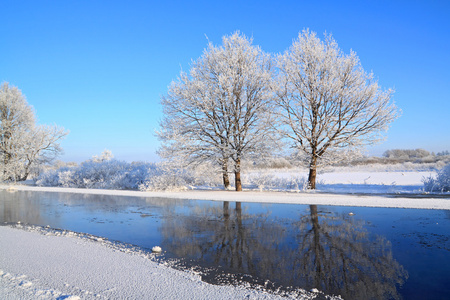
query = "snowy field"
x=67 y=266
x=343 y=181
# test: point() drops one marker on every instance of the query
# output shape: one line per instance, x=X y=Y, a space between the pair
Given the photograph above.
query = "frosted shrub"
x=271 y=182
x=100 y=174
x=176 y=180
x=439 y=184
x=164 y=182
x=296 y=183
x=60 y=177
x=205 y=175
x=138 y=174
x=64 y=177
x=262 y=181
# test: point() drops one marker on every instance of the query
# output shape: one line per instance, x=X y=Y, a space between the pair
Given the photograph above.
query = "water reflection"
x=127 y=219
x=338 y=254
x=41 y=207
x=13 y=210
x=331 y=252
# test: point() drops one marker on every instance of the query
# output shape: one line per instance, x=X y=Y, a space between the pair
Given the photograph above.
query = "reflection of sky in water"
x=266 y=239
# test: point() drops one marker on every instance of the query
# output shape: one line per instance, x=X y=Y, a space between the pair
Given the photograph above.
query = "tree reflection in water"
x=331 y=252
x=13 y=210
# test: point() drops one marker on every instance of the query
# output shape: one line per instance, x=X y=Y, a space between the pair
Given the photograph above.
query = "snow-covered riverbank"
x=38 y=266
x=342 y=189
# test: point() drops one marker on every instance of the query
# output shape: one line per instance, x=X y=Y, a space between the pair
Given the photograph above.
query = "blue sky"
x=98 y=68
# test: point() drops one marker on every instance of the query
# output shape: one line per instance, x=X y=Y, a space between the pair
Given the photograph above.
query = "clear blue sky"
x=98 y=68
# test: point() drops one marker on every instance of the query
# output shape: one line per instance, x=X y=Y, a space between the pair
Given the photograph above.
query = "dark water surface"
x=373 y=253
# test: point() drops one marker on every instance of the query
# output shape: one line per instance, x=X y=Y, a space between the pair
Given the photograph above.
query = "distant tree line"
x=443 y=153
x=415 y=155
x=406 y=153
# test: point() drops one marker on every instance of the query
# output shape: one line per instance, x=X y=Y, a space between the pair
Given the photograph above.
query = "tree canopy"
x=23 y=143
x=221 y=111
x=327 y=101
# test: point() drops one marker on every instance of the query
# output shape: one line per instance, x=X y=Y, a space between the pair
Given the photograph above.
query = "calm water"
x=377 y=253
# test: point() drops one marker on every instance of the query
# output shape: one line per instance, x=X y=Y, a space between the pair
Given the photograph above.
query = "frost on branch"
x=327 y=101
x=24 y=145
x=221 y=111
x=105 y=156
x=439 y=184
x=100 y=174
x=103 y=172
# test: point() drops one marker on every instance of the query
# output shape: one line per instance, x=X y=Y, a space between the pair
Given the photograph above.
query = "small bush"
x=439 y=184
x=271 y=182
x=165 y=182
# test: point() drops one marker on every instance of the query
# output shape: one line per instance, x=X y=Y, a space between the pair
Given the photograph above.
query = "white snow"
x=37 y=266
x=157 y=249
x=34 y=265
x=377 y=178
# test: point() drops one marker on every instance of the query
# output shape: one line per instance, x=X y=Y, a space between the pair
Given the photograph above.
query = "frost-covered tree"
x=327 y=102
x=23 y=143
x=105 y=156
x=220 y=111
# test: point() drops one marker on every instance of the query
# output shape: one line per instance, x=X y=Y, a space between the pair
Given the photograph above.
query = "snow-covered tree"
x=23 y=143
x=327 y=101
x=105 y=156
x=220 y=111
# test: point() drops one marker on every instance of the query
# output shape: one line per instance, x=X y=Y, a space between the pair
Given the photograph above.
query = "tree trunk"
x=237 y=181
x=237 y=175
x=6 y=159
x=26 y=172
x=226 y=178
x=226 y=181
x=312 y=174
x=312 y=179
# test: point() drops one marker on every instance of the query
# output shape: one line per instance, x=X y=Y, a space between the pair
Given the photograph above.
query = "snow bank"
x=34 y=265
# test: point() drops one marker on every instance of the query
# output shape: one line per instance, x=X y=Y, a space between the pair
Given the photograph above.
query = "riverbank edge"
x=415 y=201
